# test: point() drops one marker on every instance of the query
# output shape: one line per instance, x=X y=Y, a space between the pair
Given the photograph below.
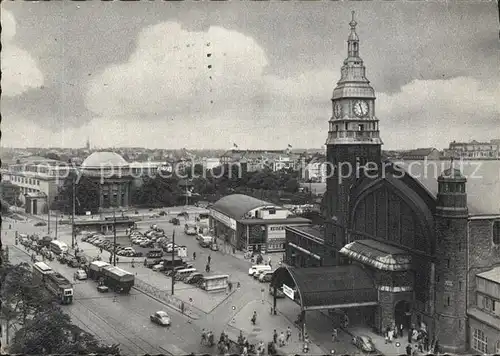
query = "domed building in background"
x=111 y=173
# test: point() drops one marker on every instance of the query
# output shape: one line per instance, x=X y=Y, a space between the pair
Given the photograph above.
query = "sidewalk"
x=265 y=325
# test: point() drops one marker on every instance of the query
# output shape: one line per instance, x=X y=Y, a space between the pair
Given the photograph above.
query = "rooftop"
x=104 y=160
x=289 y=220
x=314 y=231
x=482 y=187
x=491 y=275
x=237 y=205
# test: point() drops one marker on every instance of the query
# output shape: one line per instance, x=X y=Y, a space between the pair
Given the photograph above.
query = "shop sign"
x=226 y=220
x=289 y=292
x=276 y=232
x=448 y=283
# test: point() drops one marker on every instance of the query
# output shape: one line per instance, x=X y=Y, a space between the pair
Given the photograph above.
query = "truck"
x=94 y=269
x=55 y=283
x=117 y=279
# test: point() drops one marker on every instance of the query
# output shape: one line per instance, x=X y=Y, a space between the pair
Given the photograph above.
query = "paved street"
x=126 y=321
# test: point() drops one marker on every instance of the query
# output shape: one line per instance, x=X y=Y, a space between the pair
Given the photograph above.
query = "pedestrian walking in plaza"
x=209 y=259
x=254 y=318
x=408 y=350
x=334 y=335
x=182 y=307
x=288 y=334
x=194 y=255
x=230 y=286
x=207 y=268
x=282 y=339
x=275 y=336
x=110 y=259
x=401 y=330
x=410 y=331
x=100 y=249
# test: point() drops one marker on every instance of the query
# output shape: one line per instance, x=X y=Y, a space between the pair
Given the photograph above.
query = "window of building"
x=496 y=232
x=448 y=263
x=459 y=247
x=459 y=324
x=346 y=126
x=460 y=285
x=479 y=341
x=497 y=348
x=361 y=127
x=447 y=301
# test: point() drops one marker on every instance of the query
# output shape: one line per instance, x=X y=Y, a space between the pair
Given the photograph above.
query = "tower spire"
x=353 y=40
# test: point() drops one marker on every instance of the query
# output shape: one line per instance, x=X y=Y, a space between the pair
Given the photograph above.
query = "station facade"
x=401 y=242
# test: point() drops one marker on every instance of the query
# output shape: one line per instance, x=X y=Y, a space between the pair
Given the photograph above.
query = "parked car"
x=265 y=277
x=154 y=254
x=194 y=278
x=80 y=275
x=175 y=221
x=73 y=262
x=160 y=318
x=147 y=244
x=41 y=223
x=364 y=343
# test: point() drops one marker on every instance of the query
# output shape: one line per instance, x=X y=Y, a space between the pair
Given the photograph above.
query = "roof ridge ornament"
x=353 y=22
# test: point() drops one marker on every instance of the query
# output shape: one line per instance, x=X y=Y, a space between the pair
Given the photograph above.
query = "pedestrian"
x=100 y=249
x=194 y=255
x=414 y=351
x=209 y=259
x=117 y=259
x=282 y=339
x=408 y=350
x=207 y=268
x=288 y=334
x=182 y=307
x=334 y=335
x=110 y=259
x=390 y=334
x=254 y=318
x=275 y=336
x=401 y=330
x=230 y=286
x=410 y=331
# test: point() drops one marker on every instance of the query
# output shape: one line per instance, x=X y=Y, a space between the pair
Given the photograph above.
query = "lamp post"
x=114 y=237
x=173 y=258
x=73 y=216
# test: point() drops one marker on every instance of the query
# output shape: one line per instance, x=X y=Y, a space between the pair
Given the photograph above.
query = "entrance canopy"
x=328 y=287
x=377 y=254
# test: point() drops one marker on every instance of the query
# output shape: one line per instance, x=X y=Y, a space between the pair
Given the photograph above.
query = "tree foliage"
x=87 y=195
x=44 y=328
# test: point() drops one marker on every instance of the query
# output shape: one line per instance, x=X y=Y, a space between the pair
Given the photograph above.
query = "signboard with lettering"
x=275 y=237
x=289 y=292
x=226 y=220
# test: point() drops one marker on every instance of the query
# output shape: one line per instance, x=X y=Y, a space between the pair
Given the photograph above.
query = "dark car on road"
x=194 y=278
x=150 y=263
x=154 y=254
x=175 y=221
x=73 y=262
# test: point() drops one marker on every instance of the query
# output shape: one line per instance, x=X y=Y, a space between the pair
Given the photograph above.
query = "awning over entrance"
x=328 y=287
x=377 y=254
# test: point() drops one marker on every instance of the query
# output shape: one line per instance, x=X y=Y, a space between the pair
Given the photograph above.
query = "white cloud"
x=435 y=112
x=19 y=70
x=168 y=72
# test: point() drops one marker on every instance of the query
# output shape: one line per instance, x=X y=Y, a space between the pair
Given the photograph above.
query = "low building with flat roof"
x=251 y=224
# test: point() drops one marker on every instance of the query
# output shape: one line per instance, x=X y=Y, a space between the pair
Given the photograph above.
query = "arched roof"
x=237 y=205
x=329 y=286
x=104 y=160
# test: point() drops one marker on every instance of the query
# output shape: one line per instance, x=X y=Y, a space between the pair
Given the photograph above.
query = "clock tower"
x=353 y=141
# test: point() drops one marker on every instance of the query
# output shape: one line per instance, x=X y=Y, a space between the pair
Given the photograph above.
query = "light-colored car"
x=258 y=268
x=160 y=318
x=80 y=275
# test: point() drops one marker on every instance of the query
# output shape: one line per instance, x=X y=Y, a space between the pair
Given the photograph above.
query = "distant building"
x=256 y=160
x=210 y=162
x=484 y=313
x=421 y=154
x=38 y=180
x=316 y=170
x=474 y=150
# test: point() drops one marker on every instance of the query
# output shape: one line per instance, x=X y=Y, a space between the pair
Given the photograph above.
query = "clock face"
x=337 y=110
x=360 y=108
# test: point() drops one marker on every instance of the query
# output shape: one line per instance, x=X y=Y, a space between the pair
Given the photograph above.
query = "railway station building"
x=407 y=242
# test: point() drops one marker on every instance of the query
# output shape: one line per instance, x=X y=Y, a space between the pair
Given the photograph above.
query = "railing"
x=162 y=295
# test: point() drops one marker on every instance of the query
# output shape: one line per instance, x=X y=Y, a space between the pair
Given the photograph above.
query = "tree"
x=52 y=155
x=292 y=185
x=44 y=327
x=87 y=195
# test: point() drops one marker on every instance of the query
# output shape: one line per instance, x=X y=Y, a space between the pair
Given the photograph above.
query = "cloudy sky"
x=137 y=74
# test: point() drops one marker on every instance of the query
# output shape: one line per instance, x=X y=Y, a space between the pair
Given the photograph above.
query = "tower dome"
x=451 y=174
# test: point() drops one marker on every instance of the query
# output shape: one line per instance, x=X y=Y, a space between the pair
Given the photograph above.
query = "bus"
x=58 y=247
x=41 y=270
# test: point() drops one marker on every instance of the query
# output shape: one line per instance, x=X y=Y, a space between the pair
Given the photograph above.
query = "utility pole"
x=56 y=223
x=73 y=217
x=187 y=200
x=48 y=211
x=114 y=237
x=173 y=264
